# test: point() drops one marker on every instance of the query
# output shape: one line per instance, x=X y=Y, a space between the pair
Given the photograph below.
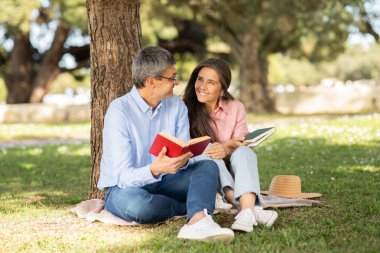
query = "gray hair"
x=150 y=61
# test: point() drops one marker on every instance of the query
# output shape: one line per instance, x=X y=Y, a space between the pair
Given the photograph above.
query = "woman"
x=214 y=112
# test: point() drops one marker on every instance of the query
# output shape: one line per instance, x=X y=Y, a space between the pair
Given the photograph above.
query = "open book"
x=176 y=147
x=256 y=137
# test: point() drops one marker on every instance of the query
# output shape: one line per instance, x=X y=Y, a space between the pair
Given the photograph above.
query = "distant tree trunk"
x=253 y=64
x=115 y=33
x=49 y=69
x=24 y=83
x=254 y=91
x=20 y=74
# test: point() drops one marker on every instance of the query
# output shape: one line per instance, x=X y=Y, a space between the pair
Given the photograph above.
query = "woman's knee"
x=244 y=151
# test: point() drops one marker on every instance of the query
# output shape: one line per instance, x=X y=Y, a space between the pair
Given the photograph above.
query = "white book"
x=259 y=135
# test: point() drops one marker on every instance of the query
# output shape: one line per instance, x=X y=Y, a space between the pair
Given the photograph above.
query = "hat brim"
x=299 y=196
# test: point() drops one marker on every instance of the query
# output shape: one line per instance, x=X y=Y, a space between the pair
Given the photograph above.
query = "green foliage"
x=337 y=157
x=157 y=21
x=17 y=13
x=79 y=79
x=73 y=12
x=285 y=70
x=316 y=29
x=356 y=63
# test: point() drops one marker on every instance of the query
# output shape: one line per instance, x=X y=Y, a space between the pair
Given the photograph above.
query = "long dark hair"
x=200 y=119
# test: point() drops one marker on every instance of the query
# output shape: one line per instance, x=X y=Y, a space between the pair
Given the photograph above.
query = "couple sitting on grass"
x=147 y=189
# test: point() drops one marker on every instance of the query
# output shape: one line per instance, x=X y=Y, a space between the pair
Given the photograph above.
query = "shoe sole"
x=214 y=238
x=242 y=228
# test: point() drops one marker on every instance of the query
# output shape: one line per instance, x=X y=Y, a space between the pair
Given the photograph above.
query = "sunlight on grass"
x=45 y=229
x=35 y=151
x=27 y=166
x=359 y=168
x=337 y=157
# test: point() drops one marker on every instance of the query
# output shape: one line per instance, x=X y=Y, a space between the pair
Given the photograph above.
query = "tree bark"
x=20 y=74
x=253 y=63
x=254 y=92
x=49 y=69
x=25 y=84
x=115 y=34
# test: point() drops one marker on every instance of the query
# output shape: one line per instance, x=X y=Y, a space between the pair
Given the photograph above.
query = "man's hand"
x=165 y=164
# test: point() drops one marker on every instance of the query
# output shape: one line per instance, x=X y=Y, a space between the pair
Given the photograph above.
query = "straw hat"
x=288 y=186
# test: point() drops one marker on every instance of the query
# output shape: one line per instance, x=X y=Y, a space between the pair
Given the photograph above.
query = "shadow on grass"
x=53 y=175
x=60 y=174
x=347 y=175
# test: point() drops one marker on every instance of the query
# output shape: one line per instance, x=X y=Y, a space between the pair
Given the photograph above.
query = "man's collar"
x=144 y=107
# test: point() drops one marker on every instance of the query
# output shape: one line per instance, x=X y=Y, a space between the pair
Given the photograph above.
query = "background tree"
x=115 y=33
x=254 y=29
x=27 y=67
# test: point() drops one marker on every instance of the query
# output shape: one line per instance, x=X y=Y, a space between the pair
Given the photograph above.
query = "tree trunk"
x=23 y=84
x=49 y=68
x=115 y=33
x=254 y=91
x=18 y=80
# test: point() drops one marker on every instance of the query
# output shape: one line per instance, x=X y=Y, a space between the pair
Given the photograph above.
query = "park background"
x=316 y=77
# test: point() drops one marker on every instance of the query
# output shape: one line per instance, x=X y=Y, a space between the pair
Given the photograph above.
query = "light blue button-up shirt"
x=130 y=127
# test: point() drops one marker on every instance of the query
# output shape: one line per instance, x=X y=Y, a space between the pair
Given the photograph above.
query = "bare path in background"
x=256 y=122
x=42 y=142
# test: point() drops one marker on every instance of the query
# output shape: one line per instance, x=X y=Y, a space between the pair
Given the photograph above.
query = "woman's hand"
x=234 y=143
x=216 y=151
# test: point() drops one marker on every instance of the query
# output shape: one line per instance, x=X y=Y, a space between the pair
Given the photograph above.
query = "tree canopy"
x=30 y=55
x=254 y=29
x=38 y=36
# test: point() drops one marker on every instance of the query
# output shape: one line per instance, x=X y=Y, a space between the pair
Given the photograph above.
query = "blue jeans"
x=187 y=192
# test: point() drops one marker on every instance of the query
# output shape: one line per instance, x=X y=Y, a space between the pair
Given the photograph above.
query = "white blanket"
x=93 y=209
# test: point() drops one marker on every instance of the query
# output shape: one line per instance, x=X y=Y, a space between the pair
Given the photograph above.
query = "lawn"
x=338 y=157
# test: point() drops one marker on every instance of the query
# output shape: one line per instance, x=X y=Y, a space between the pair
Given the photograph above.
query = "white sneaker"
x=244 y=221
x=220 y=204
x=265 y=217
x=206 y=230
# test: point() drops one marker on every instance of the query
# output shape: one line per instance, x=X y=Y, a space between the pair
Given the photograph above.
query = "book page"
x=258 y=138
x=259 y=133
x=173 y=139
x=199 y=139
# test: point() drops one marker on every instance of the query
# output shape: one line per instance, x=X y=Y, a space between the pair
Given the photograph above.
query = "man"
x=148 y=189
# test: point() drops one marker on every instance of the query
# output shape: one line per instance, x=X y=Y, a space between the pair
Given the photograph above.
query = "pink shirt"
x=229 y=120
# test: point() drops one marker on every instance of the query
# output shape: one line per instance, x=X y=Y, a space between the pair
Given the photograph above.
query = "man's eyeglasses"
x=168 y=78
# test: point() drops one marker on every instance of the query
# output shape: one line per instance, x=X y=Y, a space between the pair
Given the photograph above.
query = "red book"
x=176 y=147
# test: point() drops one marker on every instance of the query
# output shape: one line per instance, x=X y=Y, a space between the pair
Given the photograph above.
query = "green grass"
x=337 y=157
